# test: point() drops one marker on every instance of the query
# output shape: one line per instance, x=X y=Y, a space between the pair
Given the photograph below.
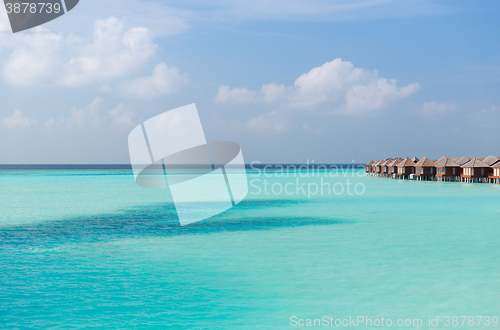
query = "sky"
x=290 y=81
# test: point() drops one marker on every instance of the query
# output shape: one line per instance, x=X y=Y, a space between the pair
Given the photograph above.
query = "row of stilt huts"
x=465 y=169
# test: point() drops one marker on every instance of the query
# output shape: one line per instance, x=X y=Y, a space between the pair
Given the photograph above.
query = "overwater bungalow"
x=495 y=176
x=464 y=169
x=392 y=168
x=475 y=171
x=368 y=167
x=385 y=167
x=378 y=167
x=374 y=166
x=447 y=170
x=405 y=168
x=380 y=172
x=424 y=169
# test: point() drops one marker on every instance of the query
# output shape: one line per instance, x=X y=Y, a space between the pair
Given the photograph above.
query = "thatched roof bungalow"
x=475 y=171
x=405 y=168
x=385 y=166
x=392 y=166
x=447 y=170
x=424 y=169
x=368 y=167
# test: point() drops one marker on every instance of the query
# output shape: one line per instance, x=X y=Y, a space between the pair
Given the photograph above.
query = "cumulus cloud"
x=18 y=121
x=435 y=108
x=163 y=81
x=34 y=56
x=337 y=85
x=41 y=55
x=113 y=52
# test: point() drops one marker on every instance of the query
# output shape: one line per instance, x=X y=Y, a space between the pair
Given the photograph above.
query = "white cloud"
x=377 y=95
x=113 y=52
x=434 y=108
x=41 y=55
x=335 y=85
x=18 y=121
x=34 y=57
x=121 y=117
x=163 y=81
x=273 y=122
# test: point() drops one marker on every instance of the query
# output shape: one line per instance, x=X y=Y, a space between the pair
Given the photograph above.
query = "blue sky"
x=290 y=81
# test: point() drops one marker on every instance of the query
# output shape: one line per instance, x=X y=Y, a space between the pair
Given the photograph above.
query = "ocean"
x=85 y=247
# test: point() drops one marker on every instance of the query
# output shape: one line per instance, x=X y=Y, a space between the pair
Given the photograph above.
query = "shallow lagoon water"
x=87 y=248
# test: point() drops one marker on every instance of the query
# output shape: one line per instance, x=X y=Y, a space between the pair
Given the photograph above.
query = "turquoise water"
x=90 y=249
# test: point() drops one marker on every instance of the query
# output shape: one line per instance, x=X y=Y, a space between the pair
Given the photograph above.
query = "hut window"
x=432 y=170
x=482 y=171
x=453 y=171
